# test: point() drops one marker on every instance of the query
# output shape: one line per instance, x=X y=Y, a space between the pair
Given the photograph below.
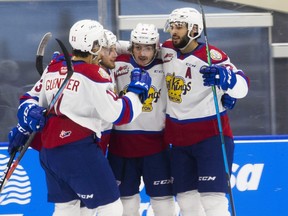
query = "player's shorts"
x=155 y=170
x=201 y=166
x=79 y=170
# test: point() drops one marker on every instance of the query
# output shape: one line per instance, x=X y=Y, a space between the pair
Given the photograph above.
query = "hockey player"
x=137 y=149
x=76 y=170
x=197 y=165
x=107 y=62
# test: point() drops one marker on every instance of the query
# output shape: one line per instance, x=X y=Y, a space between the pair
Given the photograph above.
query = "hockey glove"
x=31 y=117
x=228 y=102
x=17 y=138
x=140 y=83
x=218 y=75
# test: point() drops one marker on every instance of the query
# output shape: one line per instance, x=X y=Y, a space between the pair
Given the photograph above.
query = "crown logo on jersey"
x=175 y=86
x=153 y=95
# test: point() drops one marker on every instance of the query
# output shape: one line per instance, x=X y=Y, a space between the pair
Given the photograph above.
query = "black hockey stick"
x=218 y=117
x=11 y=159
x=10 y=169
x=39 y=66
x=40 y=52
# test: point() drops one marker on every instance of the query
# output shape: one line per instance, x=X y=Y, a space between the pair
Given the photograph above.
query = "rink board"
x=259 y=179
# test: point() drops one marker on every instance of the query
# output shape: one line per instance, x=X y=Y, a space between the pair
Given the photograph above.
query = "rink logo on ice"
x=247 y=177
x=18 y=188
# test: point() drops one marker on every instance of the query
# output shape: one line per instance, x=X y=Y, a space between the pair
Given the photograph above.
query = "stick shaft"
x=11 y=168
x=218 y=117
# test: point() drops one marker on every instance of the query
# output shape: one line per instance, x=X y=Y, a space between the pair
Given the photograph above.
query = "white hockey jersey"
x=144 y=136
x=191 y=114
x=88 y=99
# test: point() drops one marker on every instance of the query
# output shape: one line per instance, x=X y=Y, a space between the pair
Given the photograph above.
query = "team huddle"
x=148 y=113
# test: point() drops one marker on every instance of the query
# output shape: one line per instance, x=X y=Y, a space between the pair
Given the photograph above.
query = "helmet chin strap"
x=96 y=53
x=183 y=48
x=190 y=40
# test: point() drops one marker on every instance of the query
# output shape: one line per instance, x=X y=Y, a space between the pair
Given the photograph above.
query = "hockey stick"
x=218 y=116
x=40 y=52
x=12 y=156
x=39 y=66
x=13 y=166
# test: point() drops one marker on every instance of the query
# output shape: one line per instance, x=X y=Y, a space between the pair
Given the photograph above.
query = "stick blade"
x=40 y=52
x=43 y=43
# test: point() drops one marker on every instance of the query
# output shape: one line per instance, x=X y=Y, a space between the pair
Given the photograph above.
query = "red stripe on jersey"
x=184 y=134
x=104 y=141
x=61 y=130
x=168 y=44
x=127 y=112
x=124 y=58
x=93 y=72
x=135 y=144
x=201 y=53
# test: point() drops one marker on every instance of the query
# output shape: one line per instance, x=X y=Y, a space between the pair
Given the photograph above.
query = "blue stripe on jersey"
x=196 y=119
x=27 y=96
x=126 y=115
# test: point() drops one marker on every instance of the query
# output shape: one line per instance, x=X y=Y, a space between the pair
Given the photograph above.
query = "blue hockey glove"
x=140 y=83
x=17 y=138
x=228 y=102
x=31 y=117
x=219 y=76
x=57 y=57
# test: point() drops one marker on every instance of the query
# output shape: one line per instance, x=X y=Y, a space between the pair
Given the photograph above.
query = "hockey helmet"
x=186 y=15
x=111 y=39
x=145 y=34
x=85 y=33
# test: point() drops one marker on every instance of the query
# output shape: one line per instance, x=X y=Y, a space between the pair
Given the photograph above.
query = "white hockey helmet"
x=111 y=39
x=84 y=34
x=187 y=15
x=145 y=34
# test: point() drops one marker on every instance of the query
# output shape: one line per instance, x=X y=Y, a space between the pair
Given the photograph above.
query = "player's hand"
x=17 y=138
x=140 y=83
x=218 y=75
x=227 y=101
x=31 y=117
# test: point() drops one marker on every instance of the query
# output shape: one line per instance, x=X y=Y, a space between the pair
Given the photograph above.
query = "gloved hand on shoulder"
x=31 y=117
x=227 y=101
x=218 y=75
x=140 y=83
x=17 y=138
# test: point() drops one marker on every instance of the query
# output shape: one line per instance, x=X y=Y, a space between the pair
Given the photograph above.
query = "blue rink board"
x=259 y=179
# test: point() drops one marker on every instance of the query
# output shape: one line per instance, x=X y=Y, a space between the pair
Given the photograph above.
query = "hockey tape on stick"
x=40 y=52
x=226 y=166
x=13 y=166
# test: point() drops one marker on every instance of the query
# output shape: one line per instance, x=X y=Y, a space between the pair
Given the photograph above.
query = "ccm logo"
x=207 y=178
x=163 y=182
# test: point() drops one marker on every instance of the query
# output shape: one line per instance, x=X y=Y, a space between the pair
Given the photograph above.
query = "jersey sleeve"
x=90 y=95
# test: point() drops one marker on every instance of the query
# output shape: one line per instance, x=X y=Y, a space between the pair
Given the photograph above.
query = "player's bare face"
x=143 y=53
x=178 y=32
x=109 y=57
